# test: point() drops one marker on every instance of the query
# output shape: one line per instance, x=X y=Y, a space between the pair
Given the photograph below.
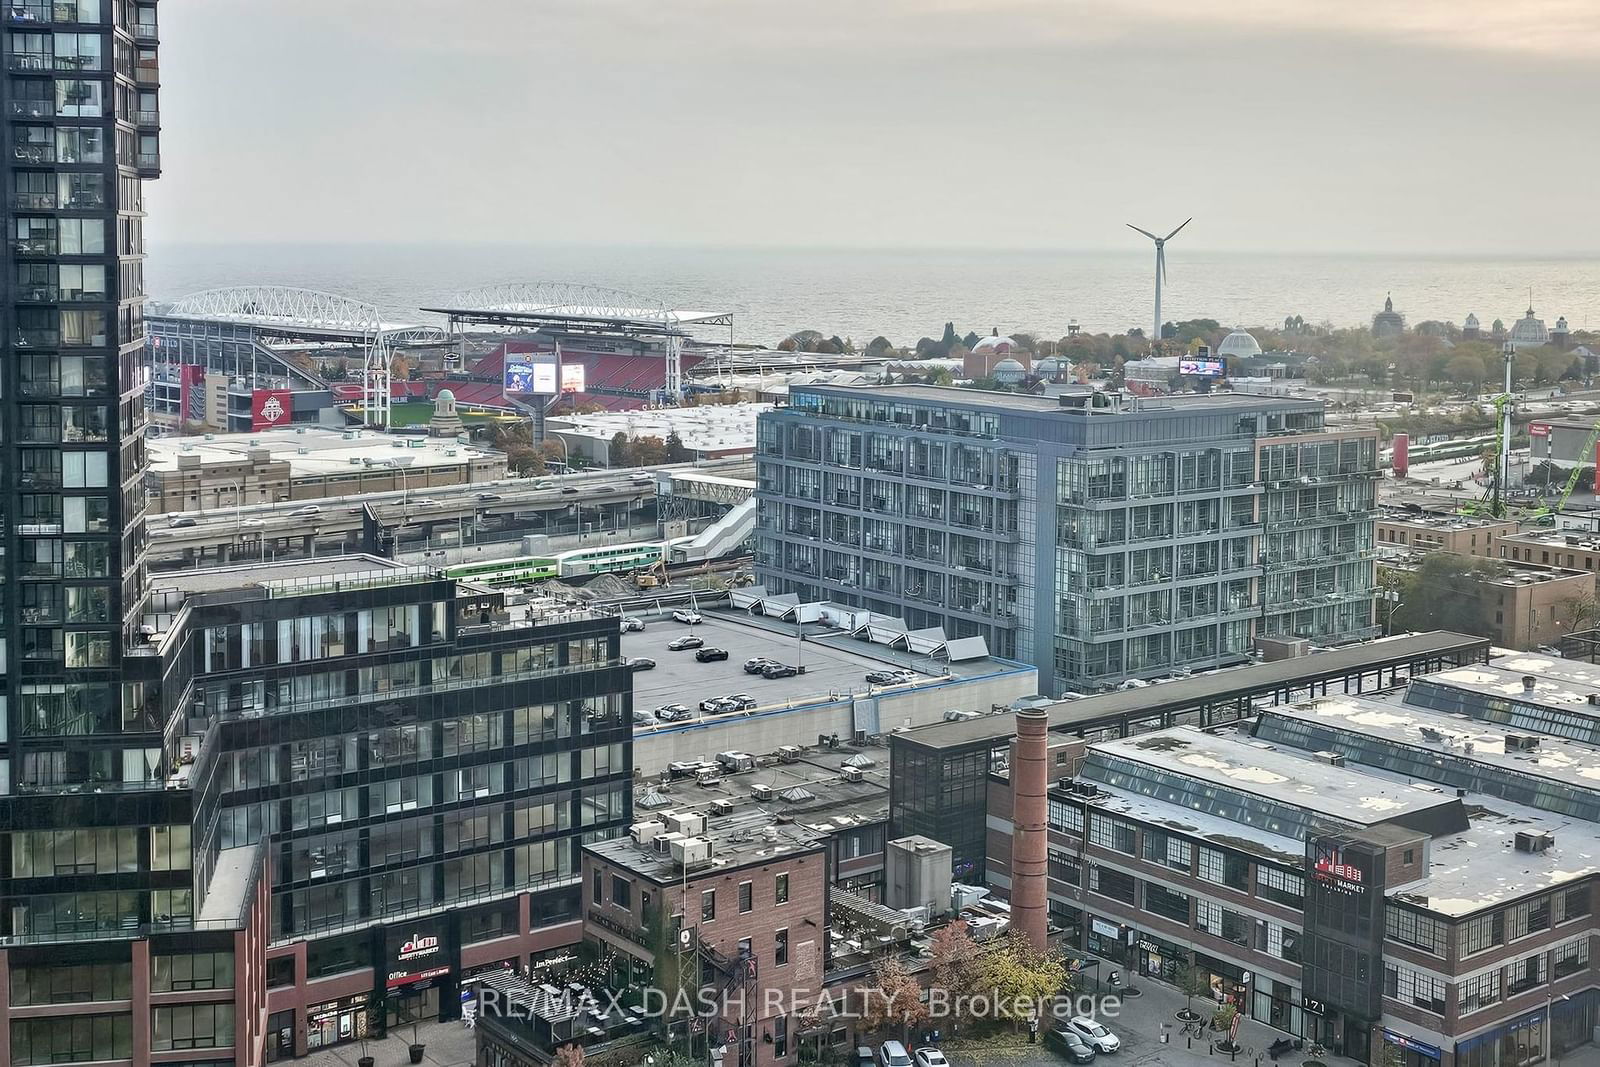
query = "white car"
x=631 y=624
x=309 y=509
x=251 y=522
x=1098 y=1037
x=893 y=1054
x=688 y=618
x=928 y=1056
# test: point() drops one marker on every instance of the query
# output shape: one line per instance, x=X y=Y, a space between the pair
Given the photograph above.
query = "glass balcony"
x=26 y=338
x=28 y=11
x=40 y=61
x=146 y=30
x=38 y=294
x=147 y=118
x=34 y=153
x=33 y=201
x=146 y=72
x=149 y=161
x=34 y=246
x=33 y=109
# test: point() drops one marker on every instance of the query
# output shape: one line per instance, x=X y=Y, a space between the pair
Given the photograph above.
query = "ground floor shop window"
x=1278 y=1005
x=337 y=1021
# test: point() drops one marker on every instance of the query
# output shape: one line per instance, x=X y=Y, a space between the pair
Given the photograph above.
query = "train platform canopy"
x=866 y=625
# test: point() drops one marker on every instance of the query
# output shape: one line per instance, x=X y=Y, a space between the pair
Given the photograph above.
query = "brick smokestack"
x=1029 y=781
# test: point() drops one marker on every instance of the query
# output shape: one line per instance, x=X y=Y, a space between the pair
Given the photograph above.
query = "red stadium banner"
x=270 y=408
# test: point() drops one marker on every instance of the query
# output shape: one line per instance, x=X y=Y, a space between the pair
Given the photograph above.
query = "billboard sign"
x=1202 y=368
x=270 y=408
x=572 y=377
x=1538 y=429
x=528 y=376
x=1331 y=868
x=416 y=953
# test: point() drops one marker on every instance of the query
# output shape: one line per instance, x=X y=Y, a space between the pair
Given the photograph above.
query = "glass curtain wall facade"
x=1097 y=542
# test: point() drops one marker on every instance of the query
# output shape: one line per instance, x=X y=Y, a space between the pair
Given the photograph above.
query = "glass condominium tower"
x=81 y=118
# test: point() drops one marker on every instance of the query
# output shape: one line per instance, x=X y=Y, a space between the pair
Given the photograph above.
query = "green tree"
x=620 y=453
x=1442 y=593
x=649 y=451
x=1015 y=969
x=676 y=452
x=1194 y=982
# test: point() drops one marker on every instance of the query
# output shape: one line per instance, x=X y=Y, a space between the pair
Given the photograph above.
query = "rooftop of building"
x=1556 y=539
x=1559 y=683
x=1283 y=775
x=819 y=788
x=835 y=665
x=1030 y=403
x=1204 y=688
x=285 y=575
x=313 y=451
x=702 y=428
x=1419 y=519
x=749 y=835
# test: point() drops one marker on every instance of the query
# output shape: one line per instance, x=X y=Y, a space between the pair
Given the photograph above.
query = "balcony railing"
x=33 y=109
x=34 y=153
x=149 y=161
x=37 y=339
x=33 y=201
x=38 y=61
x=38 y=294
x=147 y=118
x=146 y=30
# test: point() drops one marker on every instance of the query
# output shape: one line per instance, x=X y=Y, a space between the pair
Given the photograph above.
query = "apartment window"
x=1111 y=883
x=1111 y=833
x=1414 y=929
x=1571 y=957
x=1221 y=868
x=1280 y=886
x=597 y=889
x=70 y=983
x=199 y=970
x=1525 y=974
x=1479 y=992
x=621 y=892
x=746 y=897
x=1414 y=988
x=780 y=888
x=185 y=1026
x=71 y=1039
x=780 y=951
x=708 y=905
x=1481 y=933
x=1572 y=904
x=780 y=1036
x=1065 y=817
x=1159 y=900
x=1167 y=850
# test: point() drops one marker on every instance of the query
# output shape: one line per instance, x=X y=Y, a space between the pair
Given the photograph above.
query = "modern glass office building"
x=1099 y=537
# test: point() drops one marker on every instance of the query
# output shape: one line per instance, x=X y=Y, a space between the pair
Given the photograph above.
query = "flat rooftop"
x=749 y=835
x=1559 y=683
x=812 y=791
x=1230 y=683
x=1284 y=775
x=835 y=665
x=1440 y=522
x=704 y=428
x=315 y=451
x=1460 y=736
x=1027 y=402
x=254 y=575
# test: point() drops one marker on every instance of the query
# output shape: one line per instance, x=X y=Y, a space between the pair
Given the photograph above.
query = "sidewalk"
x=449 y=1045
x=1140 y=1023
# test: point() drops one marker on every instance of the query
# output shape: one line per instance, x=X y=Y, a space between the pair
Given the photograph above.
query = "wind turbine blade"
x=1147 y=233
x=1174 y=233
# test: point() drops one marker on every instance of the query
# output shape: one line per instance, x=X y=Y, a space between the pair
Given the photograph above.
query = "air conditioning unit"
x=722 y=807
x=645 y=832
x=1332 y=759
x=691 y=852
x=852 y=774
x=761 y=792
x=1521 y=742
x=688 y=823
x=789 y=754
x=662 y=843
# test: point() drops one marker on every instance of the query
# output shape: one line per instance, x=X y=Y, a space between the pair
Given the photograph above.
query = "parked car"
x=641 y=663
x=1094 y=1034
x=758 y=664
x=708 y=655
x=643 y=718
x=928 y=1056
x=780 y=670
x=1065 y=1041
x=716 y=705
x=741 y=701
x=678 y=644
x=673 y=712
x=893 y=1054
x=889 y=677
x=688 y=618
x=631 y=624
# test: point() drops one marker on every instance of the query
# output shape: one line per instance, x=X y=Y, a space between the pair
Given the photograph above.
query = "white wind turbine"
x=1161 y=271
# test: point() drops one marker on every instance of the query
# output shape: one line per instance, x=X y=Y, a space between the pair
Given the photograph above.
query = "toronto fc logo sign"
x=272 y=410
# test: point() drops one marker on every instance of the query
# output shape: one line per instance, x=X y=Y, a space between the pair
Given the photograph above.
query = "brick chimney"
x=1029 y=781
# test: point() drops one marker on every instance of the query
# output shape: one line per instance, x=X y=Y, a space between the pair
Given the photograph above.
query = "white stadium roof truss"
x=309 y=314
x=576 y=306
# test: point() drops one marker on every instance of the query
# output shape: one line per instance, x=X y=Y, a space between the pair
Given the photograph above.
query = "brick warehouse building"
x=1402 y=868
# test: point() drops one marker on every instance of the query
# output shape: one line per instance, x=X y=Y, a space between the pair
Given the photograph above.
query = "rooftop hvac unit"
x=1535 y=840
x=789 y=754
x=688 y=823
x=722 y=807
x=690 y=852
x=852 y=774
x=645 y=832
x=761 y=792
x=662 y=843
x=1594 y=699
x=1521 y=742
x=1332 y=759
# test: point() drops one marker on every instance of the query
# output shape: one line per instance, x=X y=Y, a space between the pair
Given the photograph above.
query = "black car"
x=779 y=670
x=678 y=644
x=1068 y=1044
x=759 y=664
x=740 y=701
x=707 y=655
x=673 y=713
x=641 y=663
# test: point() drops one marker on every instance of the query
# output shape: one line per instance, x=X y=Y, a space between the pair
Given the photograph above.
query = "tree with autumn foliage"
x=955 y=961
x=1015 y=969
x=568 y=1056
x=893 y=999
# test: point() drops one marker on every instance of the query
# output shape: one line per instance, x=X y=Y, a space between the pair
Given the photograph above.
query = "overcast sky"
x=1335 y=125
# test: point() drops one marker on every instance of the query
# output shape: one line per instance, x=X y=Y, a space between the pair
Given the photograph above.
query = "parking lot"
x=679 y=678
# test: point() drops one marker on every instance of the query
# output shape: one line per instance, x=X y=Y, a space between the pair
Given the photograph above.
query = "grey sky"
x=1338 y=125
